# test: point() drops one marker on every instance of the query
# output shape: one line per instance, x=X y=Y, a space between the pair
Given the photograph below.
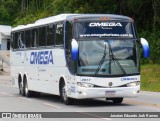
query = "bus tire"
x=21 y=89
x=27 y=92
x=117 y=100
x=64 y=97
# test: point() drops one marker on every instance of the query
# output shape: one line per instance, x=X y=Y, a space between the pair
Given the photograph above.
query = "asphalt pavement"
x=82 y=110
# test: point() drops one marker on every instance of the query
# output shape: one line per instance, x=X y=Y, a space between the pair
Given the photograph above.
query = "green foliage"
x=155 y=47
x=146 y=14
x=4 y=16
x=8 y=11
x=28 y=18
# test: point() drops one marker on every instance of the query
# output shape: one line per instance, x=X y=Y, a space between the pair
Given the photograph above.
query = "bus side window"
x=21 y=40
x=15 y=41
x=34 y=37
x=12 y=40
x=51 y=35
x=42 y=36
x=59 y=34
x=27 y=38
x=69 y=37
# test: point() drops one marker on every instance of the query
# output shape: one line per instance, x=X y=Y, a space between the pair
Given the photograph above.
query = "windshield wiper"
x=112 y=57
x=101 y=61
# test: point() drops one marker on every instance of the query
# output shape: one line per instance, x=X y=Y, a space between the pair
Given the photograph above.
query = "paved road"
x=11 y=101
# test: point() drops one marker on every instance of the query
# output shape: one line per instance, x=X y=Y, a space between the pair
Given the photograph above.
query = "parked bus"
x=78 y=56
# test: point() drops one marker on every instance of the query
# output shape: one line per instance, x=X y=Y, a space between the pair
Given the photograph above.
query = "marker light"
x=76 y=19
x=104 y=18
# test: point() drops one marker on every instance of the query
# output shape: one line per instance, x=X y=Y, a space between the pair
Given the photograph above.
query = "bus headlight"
x=133 y=84
x=84 y=84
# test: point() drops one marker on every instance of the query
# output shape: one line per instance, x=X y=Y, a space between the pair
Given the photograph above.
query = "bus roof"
x=62 y=17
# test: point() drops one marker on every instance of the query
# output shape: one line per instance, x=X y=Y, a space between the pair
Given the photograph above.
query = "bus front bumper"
x=84 y=93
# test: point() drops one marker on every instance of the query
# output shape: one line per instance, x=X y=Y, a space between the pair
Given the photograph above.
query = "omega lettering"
x=105 y=24
x=41 y=57
x=128 y=79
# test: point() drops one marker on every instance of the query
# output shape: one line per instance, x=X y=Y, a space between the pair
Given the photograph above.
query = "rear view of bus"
x=104 y=57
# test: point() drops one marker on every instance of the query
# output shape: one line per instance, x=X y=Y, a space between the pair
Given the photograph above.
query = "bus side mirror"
x=145 y=46
x=74 y=49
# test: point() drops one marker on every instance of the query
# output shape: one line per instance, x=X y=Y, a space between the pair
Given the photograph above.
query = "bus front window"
x=102 y=29
x=108 y=57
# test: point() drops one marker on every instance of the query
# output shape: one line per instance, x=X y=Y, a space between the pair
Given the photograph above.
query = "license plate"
x=110 y=93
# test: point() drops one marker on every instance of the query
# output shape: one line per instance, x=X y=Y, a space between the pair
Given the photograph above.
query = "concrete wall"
x=3 y=41
x=5 y=33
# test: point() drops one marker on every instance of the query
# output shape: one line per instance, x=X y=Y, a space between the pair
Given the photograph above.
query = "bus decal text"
x=102 y=24
x=128 y=79
x=41 y=57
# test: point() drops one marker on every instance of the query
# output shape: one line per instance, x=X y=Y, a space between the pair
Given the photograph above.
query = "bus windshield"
x=109 y=29
x=108 y=57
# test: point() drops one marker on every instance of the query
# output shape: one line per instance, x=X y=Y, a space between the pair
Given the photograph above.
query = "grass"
x=150 y=78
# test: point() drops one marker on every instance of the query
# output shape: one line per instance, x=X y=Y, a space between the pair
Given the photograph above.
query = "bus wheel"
x=21 y=89
x=64 y=97
x=117 y=100
x=27 y=92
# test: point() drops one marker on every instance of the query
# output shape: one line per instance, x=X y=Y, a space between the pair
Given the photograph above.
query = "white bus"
x=77 y=56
